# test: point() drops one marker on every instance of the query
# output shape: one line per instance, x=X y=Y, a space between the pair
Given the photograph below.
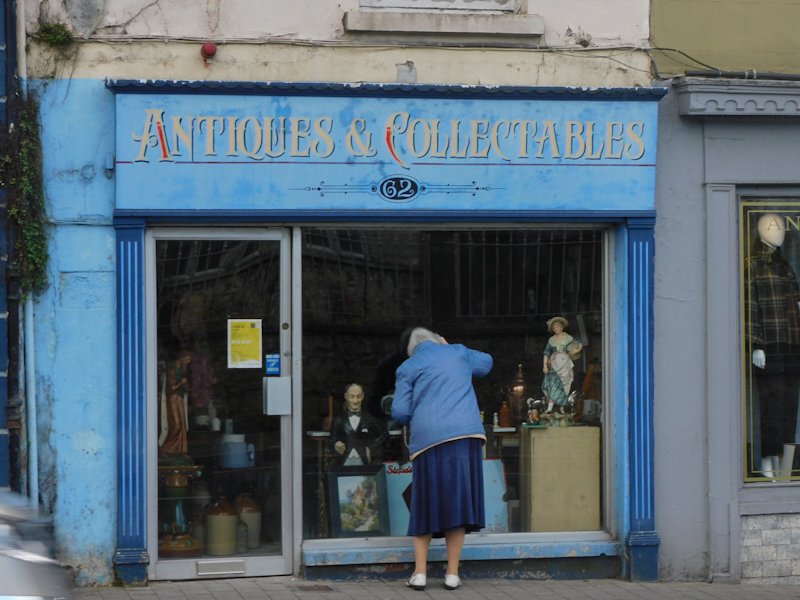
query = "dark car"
x=28 y=569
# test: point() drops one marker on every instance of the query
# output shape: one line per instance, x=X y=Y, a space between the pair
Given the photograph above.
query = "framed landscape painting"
x=358 y=501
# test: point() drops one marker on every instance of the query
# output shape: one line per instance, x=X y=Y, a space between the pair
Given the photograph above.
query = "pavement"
x=293 y=588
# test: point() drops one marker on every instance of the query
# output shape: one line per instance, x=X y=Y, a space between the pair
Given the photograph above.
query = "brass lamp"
x=516 y=395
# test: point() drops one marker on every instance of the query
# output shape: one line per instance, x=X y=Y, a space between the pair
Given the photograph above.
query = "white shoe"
x=417 y=581
x=451 y=582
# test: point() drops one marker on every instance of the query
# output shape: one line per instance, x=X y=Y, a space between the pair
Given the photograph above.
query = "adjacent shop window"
x=770 y=242
x=491 y=289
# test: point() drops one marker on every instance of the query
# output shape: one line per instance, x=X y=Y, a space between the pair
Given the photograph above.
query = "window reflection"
x=219 y=468
x=771 y=331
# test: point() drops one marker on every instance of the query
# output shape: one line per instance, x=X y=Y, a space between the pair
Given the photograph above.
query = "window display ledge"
x=318 y=555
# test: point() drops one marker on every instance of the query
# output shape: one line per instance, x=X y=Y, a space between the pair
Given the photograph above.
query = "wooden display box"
x=560 y=479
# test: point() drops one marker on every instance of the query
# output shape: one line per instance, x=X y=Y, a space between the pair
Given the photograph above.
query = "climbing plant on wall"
x=56 y=35
x=22 y=176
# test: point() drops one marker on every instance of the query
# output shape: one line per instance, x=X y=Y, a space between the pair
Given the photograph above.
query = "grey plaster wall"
x=752 y=152
x=701 y=502
x=681 y=471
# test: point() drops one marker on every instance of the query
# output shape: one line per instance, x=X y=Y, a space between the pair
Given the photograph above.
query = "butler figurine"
x=357 y=438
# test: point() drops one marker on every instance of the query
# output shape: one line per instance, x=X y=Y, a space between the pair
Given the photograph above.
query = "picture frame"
x=398 y=486
x=358 y=501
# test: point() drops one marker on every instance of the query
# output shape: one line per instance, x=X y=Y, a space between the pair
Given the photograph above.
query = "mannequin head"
x=772 y=230
x=353 y=397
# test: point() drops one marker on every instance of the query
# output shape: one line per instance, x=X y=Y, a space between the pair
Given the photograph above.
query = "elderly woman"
x=434 y=394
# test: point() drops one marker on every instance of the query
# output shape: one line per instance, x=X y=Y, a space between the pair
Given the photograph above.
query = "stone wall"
x=770 y=549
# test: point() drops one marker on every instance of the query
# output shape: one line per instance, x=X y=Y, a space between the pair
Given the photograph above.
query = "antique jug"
x=221 y=528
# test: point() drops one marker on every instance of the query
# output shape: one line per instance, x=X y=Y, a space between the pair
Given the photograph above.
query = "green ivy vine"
x=21 y=170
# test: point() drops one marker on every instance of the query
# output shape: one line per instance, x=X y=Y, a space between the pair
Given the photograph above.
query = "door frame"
x=283 y=564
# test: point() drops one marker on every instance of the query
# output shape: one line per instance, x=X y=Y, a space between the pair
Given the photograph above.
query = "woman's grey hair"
x=419 y=335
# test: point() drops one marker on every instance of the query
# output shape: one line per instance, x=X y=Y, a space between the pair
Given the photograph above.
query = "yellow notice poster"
x=244 y=343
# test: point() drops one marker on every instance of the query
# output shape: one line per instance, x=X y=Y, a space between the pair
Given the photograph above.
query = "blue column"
x=7 y=50
x=642 y=541
x=131 y=558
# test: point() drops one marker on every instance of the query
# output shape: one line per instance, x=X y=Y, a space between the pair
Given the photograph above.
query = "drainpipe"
x=30 y=405
x=29 y=363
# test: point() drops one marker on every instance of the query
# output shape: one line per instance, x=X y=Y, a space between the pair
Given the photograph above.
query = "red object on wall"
x=208 y=50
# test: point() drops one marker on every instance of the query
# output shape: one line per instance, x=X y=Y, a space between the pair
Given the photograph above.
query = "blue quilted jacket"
x=434 y=394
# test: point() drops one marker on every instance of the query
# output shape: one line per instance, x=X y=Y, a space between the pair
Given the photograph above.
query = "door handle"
x=277 y=395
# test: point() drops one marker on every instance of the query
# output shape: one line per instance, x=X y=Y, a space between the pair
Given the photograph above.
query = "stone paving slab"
x=292 y=588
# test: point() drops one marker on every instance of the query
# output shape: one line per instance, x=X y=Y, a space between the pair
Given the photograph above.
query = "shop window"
x=770 y=247
x=341 y=242
x=491 y=289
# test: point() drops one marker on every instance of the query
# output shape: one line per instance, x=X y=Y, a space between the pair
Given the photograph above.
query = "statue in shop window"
x=188 y=324
x=772 y=328
x=558 y=368
x=357 y=438
x=174 y=407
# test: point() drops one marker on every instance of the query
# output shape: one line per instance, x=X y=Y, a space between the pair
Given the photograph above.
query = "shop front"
x=729 y=159
x=274 y=241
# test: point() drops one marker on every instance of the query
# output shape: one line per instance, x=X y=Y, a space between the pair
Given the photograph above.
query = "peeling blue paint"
x=74 y=329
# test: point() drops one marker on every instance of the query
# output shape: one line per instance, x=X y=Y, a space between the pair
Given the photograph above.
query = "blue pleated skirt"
x=447 y=489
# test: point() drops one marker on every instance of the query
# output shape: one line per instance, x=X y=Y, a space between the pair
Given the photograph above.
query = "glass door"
x=218 y=310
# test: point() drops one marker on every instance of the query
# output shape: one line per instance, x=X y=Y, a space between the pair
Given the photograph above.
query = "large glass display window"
x=770 y=246
x=533 y=298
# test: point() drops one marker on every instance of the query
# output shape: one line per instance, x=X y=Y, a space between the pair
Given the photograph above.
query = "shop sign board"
x=178 y=152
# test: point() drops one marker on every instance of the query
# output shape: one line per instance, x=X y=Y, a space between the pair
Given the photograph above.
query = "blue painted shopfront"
x=199 y=153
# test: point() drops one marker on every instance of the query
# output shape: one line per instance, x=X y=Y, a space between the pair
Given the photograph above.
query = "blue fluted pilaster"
x=131 y=558
x=642 y=540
